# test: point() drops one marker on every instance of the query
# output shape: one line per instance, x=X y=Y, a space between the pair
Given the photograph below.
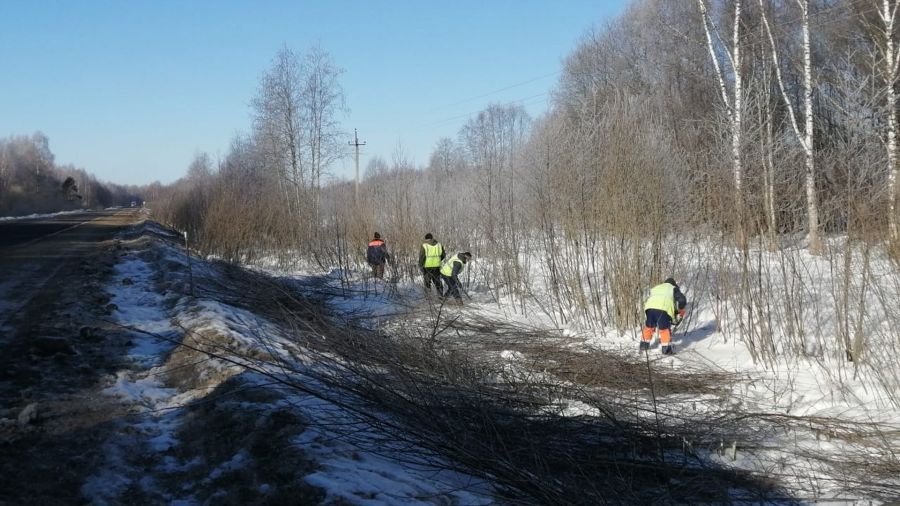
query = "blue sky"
x=131 y=90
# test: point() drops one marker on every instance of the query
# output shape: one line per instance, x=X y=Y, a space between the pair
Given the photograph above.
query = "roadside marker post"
x=187 y=252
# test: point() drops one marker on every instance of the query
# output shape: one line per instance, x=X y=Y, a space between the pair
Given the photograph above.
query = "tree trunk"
x=733 y=105
x=888 y=16
x=812 y=207
x=736 y=125
x=806 y=137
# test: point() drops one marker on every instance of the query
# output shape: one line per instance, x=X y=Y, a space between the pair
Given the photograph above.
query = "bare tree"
x=732 y=101
x=806 y=137
x=494 y=140
x=888 y=16
x=887 y=58
x=322 y=100
x=279 y=117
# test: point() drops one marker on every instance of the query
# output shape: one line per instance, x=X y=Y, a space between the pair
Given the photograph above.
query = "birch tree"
x=732 y=101
x=887 y=14
x=765 y=122
x=278 y=120
x=323 y=99
x=806 y=135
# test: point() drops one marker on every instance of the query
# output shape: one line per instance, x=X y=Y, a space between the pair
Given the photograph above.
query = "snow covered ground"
x=38 y=216
x=833 y=409
x=214 y=367
x=190 y=353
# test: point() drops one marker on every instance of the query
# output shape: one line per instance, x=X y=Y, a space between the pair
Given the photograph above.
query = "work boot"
x=669 y=349
x=645 y=345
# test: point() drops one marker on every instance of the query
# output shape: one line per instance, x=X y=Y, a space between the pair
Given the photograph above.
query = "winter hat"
x=377 y=235
x=671 y=281
x=466 y=255
x=429 y=236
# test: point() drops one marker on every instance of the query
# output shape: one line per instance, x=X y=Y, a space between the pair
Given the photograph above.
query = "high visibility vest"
x=662 y=297
x=447 y=268
x=432 y=255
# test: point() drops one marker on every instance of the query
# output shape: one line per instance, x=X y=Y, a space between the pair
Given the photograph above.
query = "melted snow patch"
x=575 y=408
x=37 y=216
x=138 y=306
x=512 y=356
x=145 y=391
x=236 y=330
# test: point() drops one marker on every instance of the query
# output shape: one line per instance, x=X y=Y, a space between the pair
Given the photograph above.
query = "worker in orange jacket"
x=377 y=255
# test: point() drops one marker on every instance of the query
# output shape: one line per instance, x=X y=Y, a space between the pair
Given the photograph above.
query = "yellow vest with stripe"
x=432 y=255
x=447 y=268
x=662 y=297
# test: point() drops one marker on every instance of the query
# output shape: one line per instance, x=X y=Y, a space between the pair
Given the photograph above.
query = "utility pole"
x=356 y=144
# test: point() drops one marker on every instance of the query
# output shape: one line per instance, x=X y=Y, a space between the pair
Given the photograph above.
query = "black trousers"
x=432 y=276
x=452 y=287
x=658 y=319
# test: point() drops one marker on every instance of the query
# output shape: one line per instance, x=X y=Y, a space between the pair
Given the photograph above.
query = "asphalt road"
x=55 y=351
x=13 y=232
x=33 y=251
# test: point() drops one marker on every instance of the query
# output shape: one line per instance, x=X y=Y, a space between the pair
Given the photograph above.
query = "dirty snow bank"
x=152 y=426
x=37 y=216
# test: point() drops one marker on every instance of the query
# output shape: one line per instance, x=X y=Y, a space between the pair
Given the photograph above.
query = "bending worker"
x=665 y=299
x=450 y=274
x=430 y=257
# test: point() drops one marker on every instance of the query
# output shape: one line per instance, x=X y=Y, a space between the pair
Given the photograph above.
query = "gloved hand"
x=679 y=317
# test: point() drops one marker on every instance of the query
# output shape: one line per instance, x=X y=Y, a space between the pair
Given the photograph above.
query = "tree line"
x=31 y=181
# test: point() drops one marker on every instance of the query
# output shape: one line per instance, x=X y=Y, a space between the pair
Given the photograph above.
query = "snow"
x=376 y=482
x=365 y=478
x=38 y=216
x=236 y=330
x=236 y=462
x=145 y=390
x=807 y=382
x=141 y=308
x=812 y=380
x=344 y=470
x=575 y=408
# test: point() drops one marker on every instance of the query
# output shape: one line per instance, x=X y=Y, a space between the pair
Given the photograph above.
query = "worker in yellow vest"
x=450 y=274
x=431 y=254
x=665 y=305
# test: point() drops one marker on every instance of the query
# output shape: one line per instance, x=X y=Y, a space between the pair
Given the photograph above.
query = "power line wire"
x=816 y=20
x=483 y=95
x=464 y=115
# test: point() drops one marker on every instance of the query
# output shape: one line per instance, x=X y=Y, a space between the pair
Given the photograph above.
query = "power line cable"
x=521 y=101
x=483 y=95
